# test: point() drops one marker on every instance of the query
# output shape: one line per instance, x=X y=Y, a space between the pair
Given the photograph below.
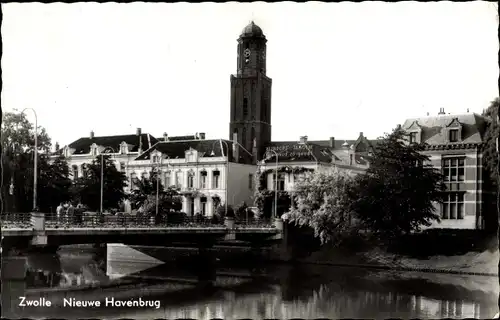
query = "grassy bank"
x=462 y=252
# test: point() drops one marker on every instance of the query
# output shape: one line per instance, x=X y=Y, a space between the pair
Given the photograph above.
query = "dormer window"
x=454 y=131
x=191 y=155
x=453 y=135
x=93 y=149
x=123 y=148
x=413 y=137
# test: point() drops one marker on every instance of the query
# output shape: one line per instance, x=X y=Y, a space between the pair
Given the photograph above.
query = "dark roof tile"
x=177 y=149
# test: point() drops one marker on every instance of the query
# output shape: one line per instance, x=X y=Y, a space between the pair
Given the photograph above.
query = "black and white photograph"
x=250 y=160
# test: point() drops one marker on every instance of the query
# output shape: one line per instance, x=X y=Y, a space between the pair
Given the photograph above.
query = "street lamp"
x=35 y=166
x=158 y=179
x=102 y=173
x=227 y=168
x=275 y=214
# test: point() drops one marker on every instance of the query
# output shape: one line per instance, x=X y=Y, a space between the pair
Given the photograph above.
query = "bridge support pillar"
x=38 y=221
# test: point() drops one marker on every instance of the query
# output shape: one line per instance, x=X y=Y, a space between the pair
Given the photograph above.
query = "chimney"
x=303 y=139
x=361 y=134
x=332 y=142
x=441 y=111
x=202 y=135
x=196 y=136
x=427 y=113
x=236 y=148
x=467 y=110
x=165 y=136
x=91 y=134
x=138 y=132
x=57 y=146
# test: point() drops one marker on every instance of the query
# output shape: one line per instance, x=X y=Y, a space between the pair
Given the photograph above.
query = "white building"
x=201 y=169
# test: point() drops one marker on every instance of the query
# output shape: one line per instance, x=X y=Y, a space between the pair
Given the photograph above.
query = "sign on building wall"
x=289 y=151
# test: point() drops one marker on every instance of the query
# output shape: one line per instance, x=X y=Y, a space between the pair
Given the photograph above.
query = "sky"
x=338 y=69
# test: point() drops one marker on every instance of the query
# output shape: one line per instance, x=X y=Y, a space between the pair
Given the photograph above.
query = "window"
x=178 y=179
x=123 y=148
x=454 y=169
x=133 y=180
x=190 y=180
x=166 y=179
x=281 y=181
x=245 y=107
x=75 y=171
x=203 y=206
x=203 y=180
x=216 y=179
x=122 y=166
x=453 y=206
x=250 y=181
x=84 y=171
x=453 y=135
x=156 y=158
x=413 y=137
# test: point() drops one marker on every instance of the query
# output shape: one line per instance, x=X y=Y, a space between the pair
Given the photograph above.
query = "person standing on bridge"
x=70 y=213
x=59 y=211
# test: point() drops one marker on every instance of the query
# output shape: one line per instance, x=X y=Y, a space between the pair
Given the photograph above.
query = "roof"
x=252 y=30
x=178 y=138
x=177 y=149
x=433 y=133
x=82 y=145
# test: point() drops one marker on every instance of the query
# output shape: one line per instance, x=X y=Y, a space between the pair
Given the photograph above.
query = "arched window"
x=84 y=170
x=190 y=179
x=245 y=107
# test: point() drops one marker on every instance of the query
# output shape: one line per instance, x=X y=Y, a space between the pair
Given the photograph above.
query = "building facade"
x=204 y=171
x=454 y=145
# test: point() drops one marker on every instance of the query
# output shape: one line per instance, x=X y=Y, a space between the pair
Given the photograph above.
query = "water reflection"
x=278 y=291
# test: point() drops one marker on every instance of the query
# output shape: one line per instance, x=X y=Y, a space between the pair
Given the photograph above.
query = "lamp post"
x=158 y=180
x=102 y=173
x=35 y=161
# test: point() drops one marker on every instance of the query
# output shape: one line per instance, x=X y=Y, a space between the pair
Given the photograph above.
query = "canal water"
x=256 y=291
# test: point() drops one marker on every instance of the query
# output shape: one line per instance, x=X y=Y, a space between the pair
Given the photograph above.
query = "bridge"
x=40 y=230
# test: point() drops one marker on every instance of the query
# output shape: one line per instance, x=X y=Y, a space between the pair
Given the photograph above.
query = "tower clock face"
x=247 y=53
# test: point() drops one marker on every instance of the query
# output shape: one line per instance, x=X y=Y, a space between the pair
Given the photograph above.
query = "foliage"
x=54 y=183
x=142 y=188
x=264 y=198
x=18 y=141
x=324 y=204
x=221 y=211
x=398 y=192
x=168 y=201
x=243 y=212
x=88 y=187
x=490 y=162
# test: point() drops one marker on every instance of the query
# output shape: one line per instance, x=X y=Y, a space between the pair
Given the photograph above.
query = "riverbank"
x=471 y=263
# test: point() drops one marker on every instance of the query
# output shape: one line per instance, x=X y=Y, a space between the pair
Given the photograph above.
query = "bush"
x=176 y=217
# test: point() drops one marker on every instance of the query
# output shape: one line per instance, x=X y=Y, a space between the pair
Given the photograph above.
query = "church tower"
x=250 y=118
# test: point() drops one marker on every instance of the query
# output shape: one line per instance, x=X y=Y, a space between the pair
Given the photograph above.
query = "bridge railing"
x=94 y=220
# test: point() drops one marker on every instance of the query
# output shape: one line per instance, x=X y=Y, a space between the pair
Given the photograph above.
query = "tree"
x=323 y=203
x=88 y=187
x=18 y=141
x=145 y=187
x=54 y=183
x=398 y=192
x=490 y=162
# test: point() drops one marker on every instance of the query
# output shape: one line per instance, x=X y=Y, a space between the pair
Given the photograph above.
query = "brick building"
x=455 y=147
